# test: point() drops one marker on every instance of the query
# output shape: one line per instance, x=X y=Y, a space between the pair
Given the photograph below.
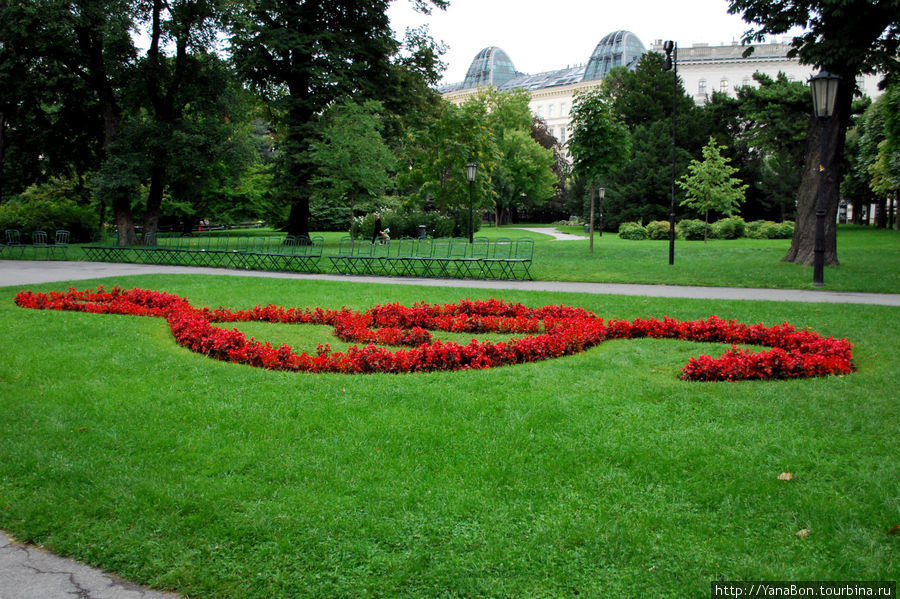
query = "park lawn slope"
x=596 y=474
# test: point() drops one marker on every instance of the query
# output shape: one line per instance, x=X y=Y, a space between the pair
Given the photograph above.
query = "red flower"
x=555 y=331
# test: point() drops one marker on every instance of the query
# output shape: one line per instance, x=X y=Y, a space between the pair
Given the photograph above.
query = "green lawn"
x=870 y=261
x=600 y=474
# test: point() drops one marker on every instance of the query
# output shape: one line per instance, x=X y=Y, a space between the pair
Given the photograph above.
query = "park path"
x=33 y=272
x=557 y=234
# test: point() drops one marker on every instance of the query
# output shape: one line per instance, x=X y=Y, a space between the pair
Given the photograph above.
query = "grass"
x=870 y=260
x=600 y=474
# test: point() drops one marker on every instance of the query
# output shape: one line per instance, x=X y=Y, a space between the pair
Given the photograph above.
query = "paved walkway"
x=28 y=572
x=558 y=235
x=31 y=272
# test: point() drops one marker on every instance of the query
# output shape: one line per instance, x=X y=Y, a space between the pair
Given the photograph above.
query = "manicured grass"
x=870 y=262
x=600 y=474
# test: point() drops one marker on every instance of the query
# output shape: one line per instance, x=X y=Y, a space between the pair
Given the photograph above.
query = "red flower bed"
x=551 y=331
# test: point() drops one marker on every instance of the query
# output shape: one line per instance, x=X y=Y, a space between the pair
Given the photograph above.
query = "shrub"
x=43 y=214
x=691 y=229
x=633 y=231
x=728 y=228
x=784 y=230
x=405 y=223
x=759 y=229
x=658 y=229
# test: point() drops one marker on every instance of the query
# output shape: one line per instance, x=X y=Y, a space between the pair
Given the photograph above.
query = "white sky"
x=543 y=35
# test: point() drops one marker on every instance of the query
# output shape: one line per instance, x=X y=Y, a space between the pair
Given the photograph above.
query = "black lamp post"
x=671 y=64
x=824 y=88
x=471 y=169
x=601 y=193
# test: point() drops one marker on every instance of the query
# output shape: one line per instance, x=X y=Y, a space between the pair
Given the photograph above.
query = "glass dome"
x=492 y=66
x=617 y=49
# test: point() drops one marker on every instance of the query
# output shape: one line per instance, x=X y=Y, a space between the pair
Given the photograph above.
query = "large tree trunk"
x=2 y=150
x=832 y=132
x=90 y=41
x=154 y=199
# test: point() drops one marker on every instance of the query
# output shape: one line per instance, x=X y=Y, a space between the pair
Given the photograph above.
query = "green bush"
x=761 y=229
x=658 y=229
x=405 y=223
x=691 y=229
x=43 y=214
x=728 y=228
x=784 y=230
x=633 y=231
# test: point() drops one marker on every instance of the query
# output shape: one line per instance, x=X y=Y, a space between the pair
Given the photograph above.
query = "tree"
x=773 y=129
x=437 y=155
x=845 y=37
x=642 y=100
x=303 y=57
x=709 y=185
x=87 y=39
x=352 y=160
x=885 y=170
x=172 y=83
x=524 y=167
x=600 y=143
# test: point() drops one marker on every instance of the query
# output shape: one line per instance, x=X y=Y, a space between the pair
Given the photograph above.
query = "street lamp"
x=601 y=194
x=824 y=88
x=671 y=64
x=471 y=169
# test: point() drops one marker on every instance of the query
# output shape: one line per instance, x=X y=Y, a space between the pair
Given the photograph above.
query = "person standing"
x=376 y=233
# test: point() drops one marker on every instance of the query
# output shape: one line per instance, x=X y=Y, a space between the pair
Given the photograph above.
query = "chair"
x=39 y=242
x=13 y=242
x=60 y=244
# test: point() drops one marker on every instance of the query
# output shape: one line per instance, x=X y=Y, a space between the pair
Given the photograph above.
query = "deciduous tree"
x=845 y=37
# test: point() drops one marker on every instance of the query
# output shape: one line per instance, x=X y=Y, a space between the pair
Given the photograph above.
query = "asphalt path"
x=32 y=272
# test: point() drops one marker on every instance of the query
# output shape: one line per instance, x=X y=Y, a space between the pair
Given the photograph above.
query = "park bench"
x=503 y=258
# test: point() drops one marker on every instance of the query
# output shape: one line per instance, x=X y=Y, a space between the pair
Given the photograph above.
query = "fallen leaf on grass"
x=894 y=530
x=802 y=533
x=786 y=476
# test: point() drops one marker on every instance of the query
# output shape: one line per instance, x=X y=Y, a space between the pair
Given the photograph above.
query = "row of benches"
x=256 y=252
x=41 y=242
x=501 y=258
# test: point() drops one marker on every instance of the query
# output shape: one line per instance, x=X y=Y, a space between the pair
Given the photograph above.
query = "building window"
x=723 y=85
x=562 y=108
x=550 y=111
x=540 y=112
x=701 y=87
x=562 y=135
x=746 y=81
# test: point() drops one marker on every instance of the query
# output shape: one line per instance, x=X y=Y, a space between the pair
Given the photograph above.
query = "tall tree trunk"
x=832 y=132
x=2 y=151
x=881 y=213
x=154 y=199
x=91 y=43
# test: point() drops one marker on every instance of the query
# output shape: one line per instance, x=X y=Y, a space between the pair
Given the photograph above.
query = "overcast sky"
x=543 y=35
